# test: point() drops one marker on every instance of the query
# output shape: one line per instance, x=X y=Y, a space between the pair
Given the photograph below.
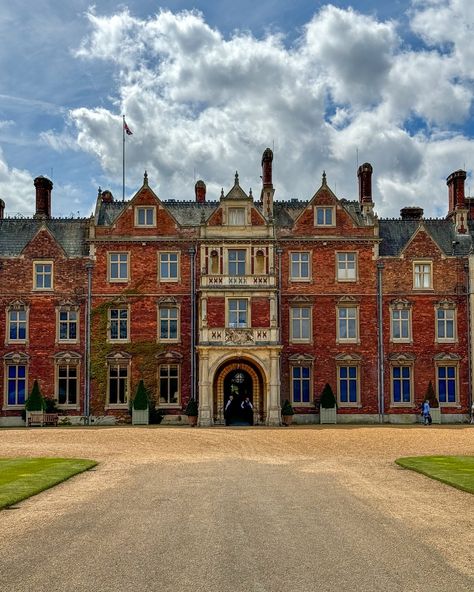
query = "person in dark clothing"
x=228 y=409
x=247 y=408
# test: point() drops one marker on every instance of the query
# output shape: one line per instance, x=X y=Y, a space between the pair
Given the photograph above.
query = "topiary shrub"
x=192 y=408
x=431 y=397
x=287 y=408
x=327 y=400
x=35 y=401
x=140 y=402
x=50 y=405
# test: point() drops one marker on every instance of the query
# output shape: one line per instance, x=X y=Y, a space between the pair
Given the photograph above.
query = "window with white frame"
x=118 y=324
x=169 y=323
x=43 y=275
x=169 y=267
x=118 y=378
x=17 y=329
x=301 y=385
x=67 y=384
x=237 y=312
x=401 y=381
x=422 y=275
x=446 y=382
x=145 y=216
x=324 y=216
x=236 y=216
x=401 y=324
x=446 y=322
x=169 y=384
x=348 y=384
x=118 y=267
x=346 y=267
x=67 y=325
x=300 y=266
x=16 y=383
x=347 y=323
x=236 y=263
x=300 y=324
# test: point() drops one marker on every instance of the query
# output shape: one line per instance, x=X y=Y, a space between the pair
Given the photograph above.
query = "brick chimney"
x=364 y=173
x=458 y=209
x=411 y=213
x=267 y=189
x=200 y=191
x=2 y=209
x=43 y=197
x=107 y=196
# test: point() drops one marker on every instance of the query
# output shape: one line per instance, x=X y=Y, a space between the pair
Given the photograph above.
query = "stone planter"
x=435 y=413
x=192 y=420
x=287 y=420
x=140 y=416
x=327 y=415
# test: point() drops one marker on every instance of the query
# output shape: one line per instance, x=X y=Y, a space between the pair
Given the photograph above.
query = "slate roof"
x=395 y=234
x=16 y=233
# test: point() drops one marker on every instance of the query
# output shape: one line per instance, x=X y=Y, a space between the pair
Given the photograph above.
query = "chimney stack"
x=365 y=183
x=267 y=190
x=411 y=213
x=2 y=209
x=200 y=191
x=455 y=183
x=43 y=197
x=107 y=196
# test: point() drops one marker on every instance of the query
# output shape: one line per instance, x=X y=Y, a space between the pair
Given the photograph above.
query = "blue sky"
x=206 y=86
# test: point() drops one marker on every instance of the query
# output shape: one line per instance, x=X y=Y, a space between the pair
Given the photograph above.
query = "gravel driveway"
x=240 y=509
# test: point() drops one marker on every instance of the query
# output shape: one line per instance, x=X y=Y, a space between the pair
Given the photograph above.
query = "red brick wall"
x=260 y=307
x=216 y=312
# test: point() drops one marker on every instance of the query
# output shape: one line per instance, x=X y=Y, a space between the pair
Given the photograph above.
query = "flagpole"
x=123 y=158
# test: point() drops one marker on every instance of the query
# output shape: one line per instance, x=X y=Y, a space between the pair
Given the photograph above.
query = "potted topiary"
x=140 y=405
x=35 y=403
x=192 y=412
x=435 y=411
x=287 y=413
x=327 y=406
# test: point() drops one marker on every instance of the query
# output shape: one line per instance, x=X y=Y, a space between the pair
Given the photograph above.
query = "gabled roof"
x=71 y=234
x=396 y=234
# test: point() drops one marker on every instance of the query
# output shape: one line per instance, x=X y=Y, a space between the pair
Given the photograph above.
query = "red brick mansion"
x=265 y=299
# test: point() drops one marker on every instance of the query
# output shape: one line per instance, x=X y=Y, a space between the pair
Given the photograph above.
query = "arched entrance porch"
x=241 y=379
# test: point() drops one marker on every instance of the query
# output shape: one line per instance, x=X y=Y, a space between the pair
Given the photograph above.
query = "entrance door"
x=238 y=386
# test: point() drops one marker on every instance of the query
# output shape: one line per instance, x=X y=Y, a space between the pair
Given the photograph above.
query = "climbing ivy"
x=143 y=352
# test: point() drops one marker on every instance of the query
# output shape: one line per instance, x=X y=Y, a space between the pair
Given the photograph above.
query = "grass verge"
x=457 y=471
x=21 y=478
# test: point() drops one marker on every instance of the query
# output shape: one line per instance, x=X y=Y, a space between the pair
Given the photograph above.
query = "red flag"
x=128 y=131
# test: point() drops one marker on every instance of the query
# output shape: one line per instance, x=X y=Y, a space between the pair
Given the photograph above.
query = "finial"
x=324 y=177
x=250 y=192
x=99 y=192
x=222 y=192
x=236 y=178
x=145 y=179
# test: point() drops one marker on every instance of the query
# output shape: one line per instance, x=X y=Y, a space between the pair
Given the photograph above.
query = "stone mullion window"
x=17 y=323
x=67 y=384
x=238 y=313
x=15 y=379
x=300 y=324
x=168 y=323
x=145 y=216
x=301 y=385
x=347 y=323
x=400 y=321
x=168 y=266
x=446 y=330
x=42 y=275
x=346 y=267
x=118 y=387
x=169 y=384
x=300 y=266
x=236 y=262
x=422 y=275
x=119 y=267
x=119 y=320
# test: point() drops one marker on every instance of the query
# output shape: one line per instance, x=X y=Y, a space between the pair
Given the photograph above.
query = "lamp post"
x=87 y=390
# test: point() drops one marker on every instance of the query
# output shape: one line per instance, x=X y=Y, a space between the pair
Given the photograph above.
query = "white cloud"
x=200 y=103
x=16 y=189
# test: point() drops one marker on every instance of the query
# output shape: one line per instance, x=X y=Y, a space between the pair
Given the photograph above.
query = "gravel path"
x=259 y=509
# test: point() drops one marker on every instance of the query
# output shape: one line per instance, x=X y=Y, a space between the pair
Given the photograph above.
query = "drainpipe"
x=381 y=398
x=192 y=255
x=87 y=394
x=469 y=335
x=279 y=252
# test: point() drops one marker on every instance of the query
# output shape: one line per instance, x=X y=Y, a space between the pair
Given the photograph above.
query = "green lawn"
x=23 y=477
x=457 y=471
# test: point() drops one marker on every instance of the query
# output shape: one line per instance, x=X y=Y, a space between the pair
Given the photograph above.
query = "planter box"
x=327 y=415
x=287 y=420
x=435 y=413
x=140 y=416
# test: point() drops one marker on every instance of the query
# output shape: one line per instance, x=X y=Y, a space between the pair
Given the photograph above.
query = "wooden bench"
x=42 y=419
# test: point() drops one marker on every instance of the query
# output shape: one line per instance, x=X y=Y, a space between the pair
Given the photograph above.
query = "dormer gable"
x=421 y=244
x=43 y=244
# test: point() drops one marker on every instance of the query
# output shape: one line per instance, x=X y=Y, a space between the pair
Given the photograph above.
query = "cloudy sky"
x=206 y=86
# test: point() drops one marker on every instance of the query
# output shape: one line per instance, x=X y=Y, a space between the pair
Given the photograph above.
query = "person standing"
x=228 y=410
x=426 y=413
x=248 y=410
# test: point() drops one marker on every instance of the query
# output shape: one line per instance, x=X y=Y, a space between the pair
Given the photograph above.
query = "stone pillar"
x=274 y=408
x=205 y=394
x=273 y=310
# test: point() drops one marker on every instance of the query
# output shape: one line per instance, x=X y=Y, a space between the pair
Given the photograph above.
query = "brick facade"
x=283 y=297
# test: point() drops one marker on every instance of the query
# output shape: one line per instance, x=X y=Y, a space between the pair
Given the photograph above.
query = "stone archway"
x=257 y=383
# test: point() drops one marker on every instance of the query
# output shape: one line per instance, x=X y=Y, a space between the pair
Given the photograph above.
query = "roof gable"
x=43 y=244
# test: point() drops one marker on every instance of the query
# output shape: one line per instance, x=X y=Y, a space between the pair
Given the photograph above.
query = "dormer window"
x=145 y=216
x=236 y=216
